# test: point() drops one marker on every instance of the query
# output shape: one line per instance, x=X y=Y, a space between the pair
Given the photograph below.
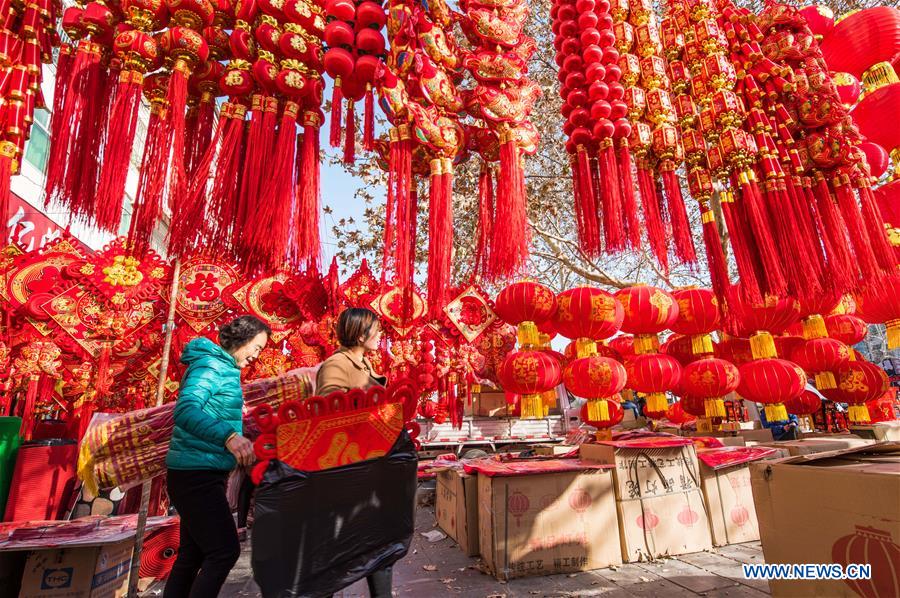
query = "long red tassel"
x=177 y=98
x=715 y=256
x=27 y=427
x=222 y=209
x=796 y=266
x=117 y=157
x=806 y=220
x=253 y=165
x=629 y=201
x=350 y=135
x=440 y=234
x=585 y=205
x=309 y=246
x=509 y=246
x=8 y=152
x=369 y=121
x=401 y=167
x=681 y=228
x=656 y=233
x=337 y=100
x=611 y=201
x=856 y=229
x=390 y=215
x=881 y=247
x=485 y=219
x=840 y=255
x=754 y=212
x=740 y=247
x=203 y=134
x=59 y=120
x=151 y=181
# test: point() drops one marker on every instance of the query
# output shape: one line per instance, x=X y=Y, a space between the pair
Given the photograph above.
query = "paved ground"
x=441 y=569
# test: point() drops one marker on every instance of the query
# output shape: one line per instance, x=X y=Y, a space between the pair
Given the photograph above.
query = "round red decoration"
x=771 y=382
x=883 y=307
x=847 y=328
x=653 y=374
x=586 y=312
x=858 y=382
x=698 y=315
x=525 y=302
x=807 y=403
x=709 y=380
x=820 y=358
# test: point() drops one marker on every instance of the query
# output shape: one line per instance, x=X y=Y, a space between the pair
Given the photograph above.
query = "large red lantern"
x=812 y=310
x=883 y=306
x=847 y=328
x=807 y=403
x=648 y=311
x=771 y=382
x=652 y=375
x=682 y=348
x=677 y=414
x=759 y=321
x=736 y=350
x=820 y=20
x=858 y=382
x=862 y=40
x=873 y=116
x=526 y=304
x=698 y=315
x=876 y=547
x=616 y=415
x=586 y=312
x=530 y=374
x=595 y=378
x=710 y=379
x=821 y=357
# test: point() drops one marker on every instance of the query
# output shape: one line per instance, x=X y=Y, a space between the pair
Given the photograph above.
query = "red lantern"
x=693 y=406
x=807 y=403
x=595 y=378
x=883 y=306
x=759 y=321
x=623 y=345
x=857 y=383
x=848 y=87
x=735 y=350
x=653 y=374
x=873 y=115
x=682 y=348
x=863 y=39
x=878 y=160
x=526 y=303
x=820 y=20
x=529 y=374
x=812 y=310
x=677 y=414
x=616 y=414
x=710 y=379
x=586 y=312
x=698 y=315
x=771 y=382
x=571 y=352
x=847 y=328
x=648 y=311
x=820 y=357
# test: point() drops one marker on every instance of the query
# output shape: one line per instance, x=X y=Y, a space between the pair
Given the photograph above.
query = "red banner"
x=28 y=227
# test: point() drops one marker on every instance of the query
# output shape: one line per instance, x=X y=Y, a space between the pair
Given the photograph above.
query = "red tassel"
x=350 y=135
x=806 y=218
x=840 y=256
x=222 y=210
x=737 y=233
x=117 y=157
x=802 y=271
x=509 y=245
x=656 y=233
x=856 y=229
x=681 y=228
x=629 y=202
x=8 y=151
x=405 y=200
x=151 y=181
x=190 y=134
x=754 y=214
x=203 y=134
x=485 y=219
x=585 y=204
x=27 y=427
x=337 y=100
x=613 y=225
x=440 y=234
x=177 y=99
x=59 y=119
x=369 y=123
x=881 y=246
x=309 y=246
x=390 y=216
x=715 y=256
x=252 y=168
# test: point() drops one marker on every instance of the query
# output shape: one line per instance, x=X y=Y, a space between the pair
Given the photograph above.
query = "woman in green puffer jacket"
x=206 y=445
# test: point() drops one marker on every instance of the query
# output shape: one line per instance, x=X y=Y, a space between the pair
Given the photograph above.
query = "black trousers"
x=208 y=547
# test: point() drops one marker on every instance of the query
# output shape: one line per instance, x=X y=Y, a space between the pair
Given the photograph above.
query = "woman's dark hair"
x=240 y=331
x=353 y=323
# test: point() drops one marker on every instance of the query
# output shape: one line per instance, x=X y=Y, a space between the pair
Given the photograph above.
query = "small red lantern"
x=877 y=159
x=848 y=87
x=710 y=379
x=526 y=304
x=652 y=375
x=807 y=403
x=595 y=378
x=616 y=415
x=677 y=414
x=682 y=348
x=623 y=345
x=698 y=315
x=693 y=406
x=883 y=306
x=847 y=328
x=857 y=383
x=759 y=321
x=771 y=382
x=736 y=350
x=876 y=547
x=530 y=374
x=820 y=357
x=812 y=309
x=820 y=20
x=586 y=312
x=648 y=311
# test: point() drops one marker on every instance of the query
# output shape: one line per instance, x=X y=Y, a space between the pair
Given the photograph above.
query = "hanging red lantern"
x=878 y=160
x=698 y=315
x=873 y=116
x=652 y=375
x=847 y=328
x=820 y=20
x=571 y=352
x=848 y=88
x=648 y=311
x=677 y=414
x=882 y=306
x=857 y=383
x=710 y=380
x=760 y=321
x=530 y=374
x=616 y=415
x=821 y=357
x=595 y=378
x=623 y=345
x=527 y=303
x=863 y=39
x=807 y=403
x=681 y=348
x=812 y=309
x=587 y=312
x=771 y=382
x=736 y=350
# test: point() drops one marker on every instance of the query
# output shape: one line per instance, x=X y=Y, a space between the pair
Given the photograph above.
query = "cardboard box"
x=880 y=431
x=553 y=450
x=490 y=404
x=832 y=508
x=456 y=506
x=671 y=524
x=648 y=472
x=729 y=498
x=821 y=444
x=762 y=435
x=544 y=524
x=82 y=572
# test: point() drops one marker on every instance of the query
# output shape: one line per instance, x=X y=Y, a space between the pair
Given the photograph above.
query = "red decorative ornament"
x=524 y=304
x=681 y=348
x=807 y=403
x=847 y=328
x=760 y=321
x=530 y=374
x=821 y=357
x=857 y=383
x=881 y=306
x=698 y=315
x=595 y=378
x=820 y=20
x=677 y=414
x=878 y=161
x=771 y=382
x=648 y=311
x=710 y=380
x=848 y=87
x=863 y=39
x=613 y=408
x=652 y=375
x=587 y=312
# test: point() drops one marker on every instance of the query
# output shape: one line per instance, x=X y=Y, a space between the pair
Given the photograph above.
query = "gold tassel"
x=585 y=347
x=604 y=435
x=825 y=381
x=656 y=402
x=776 y=412
x=762 y=345
x=598 y=410
x=859 y=414
x=715 y=407
x=814 y=327
x=528 y=334
x=532 y=407
x=701 y=344
x=646 y=343
x=893 y=333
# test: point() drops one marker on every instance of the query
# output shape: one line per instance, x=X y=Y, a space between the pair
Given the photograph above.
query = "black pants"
x=208 y=547
x=380 y=583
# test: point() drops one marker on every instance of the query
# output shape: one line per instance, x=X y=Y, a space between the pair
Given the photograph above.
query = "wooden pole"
x=160 y=395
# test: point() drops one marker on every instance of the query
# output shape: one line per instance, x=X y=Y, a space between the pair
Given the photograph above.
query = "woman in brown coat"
x=358 y=332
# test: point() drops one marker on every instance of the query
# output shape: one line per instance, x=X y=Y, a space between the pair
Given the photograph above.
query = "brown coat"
x=342 y=372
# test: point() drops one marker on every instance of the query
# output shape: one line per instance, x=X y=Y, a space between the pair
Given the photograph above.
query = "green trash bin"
x=9 y=445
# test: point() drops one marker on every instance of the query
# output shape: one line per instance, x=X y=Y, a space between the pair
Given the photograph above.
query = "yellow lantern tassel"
x=859 y=414
x=598 y=410
x=776 y=412
x=646 y=343
x=825 y=381
x=549 y=399
x=701 y=344
x=604 y=435
x=893 y=333
x=528 y=334
x=714 y=406
x=585 y=347
x=762 y=345
x=656 y=402
x=814 y=327
x=532 y=407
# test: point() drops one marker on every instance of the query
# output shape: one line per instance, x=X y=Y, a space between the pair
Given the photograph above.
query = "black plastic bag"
x=315 y=533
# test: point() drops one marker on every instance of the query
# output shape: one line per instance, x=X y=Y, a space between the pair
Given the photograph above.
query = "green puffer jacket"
x=208 y=409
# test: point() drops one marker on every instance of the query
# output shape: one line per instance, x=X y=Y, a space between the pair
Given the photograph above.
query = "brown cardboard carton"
x=671 y=524
x=879 y=431
x=648 y=472
x=81 y=572
x=819 y=444
x=491 y=404
x=456 y=506
x=832 y=508
x=550 y=523
x=729 y=496
x=553 y=450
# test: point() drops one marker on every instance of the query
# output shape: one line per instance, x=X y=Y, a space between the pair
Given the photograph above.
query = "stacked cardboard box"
x=838 y=507
x=100 y=571
x=819 y=444
x=660 y=507
x=879 y=431
x=456 y=506
x=729 y=498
